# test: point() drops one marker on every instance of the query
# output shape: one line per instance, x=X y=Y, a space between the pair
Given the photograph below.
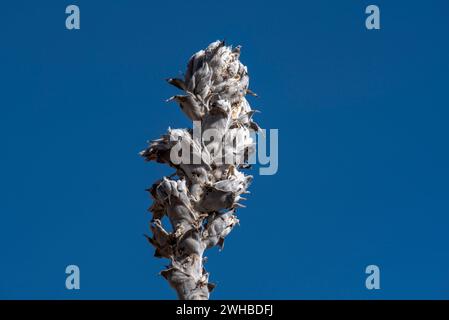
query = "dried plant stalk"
x=200 y=199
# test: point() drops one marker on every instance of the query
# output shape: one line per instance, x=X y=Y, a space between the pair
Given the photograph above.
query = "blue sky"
x=363 y=158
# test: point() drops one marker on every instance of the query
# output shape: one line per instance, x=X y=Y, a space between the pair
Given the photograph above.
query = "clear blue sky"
x=363 y=156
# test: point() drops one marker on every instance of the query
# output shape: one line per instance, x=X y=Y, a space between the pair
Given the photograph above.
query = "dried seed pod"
x=201 y=197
